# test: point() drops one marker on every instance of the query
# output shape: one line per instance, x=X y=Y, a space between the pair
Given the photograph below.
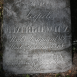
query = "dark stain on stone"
x=5 y=12
x=67 y=3
x=4 y=40
x=9 y=1
x=59 y=67
x=23 y=20
x=39 y=51
x=9 y=19
x=17 y=10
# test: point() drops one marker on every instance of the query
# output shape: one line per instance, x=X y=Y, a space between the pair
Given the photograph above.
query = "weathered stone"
x=37 y=36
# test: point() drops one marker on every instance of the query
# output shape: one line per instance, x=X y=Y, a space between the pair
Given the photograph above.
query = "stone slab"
x=37 y=36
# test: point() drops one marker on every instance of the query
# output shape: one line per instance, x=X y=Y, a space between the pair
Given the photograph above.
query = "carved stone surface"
x=37 y=36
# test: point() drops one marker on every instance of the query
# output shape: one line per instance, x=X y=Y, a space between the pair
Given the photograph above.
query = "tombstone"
x=36 y=36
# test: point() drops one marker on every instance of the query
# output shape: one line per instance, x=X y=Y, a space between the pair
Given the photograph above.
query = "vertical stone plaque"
x=36 y=36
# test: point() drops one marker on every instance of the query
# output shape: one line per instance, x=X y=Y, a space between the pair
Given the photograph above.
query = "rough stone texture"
x=37 y=36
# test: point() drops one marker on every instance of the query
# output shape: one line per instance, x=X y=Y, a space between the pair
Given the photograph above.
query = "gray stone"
x=37 y=36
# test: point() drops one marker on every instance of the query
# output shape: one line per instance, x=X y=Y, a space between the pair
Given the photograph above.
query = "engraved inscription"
x=37 y=36
x=32 y=29
x=23 y=38
x=19 y=42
